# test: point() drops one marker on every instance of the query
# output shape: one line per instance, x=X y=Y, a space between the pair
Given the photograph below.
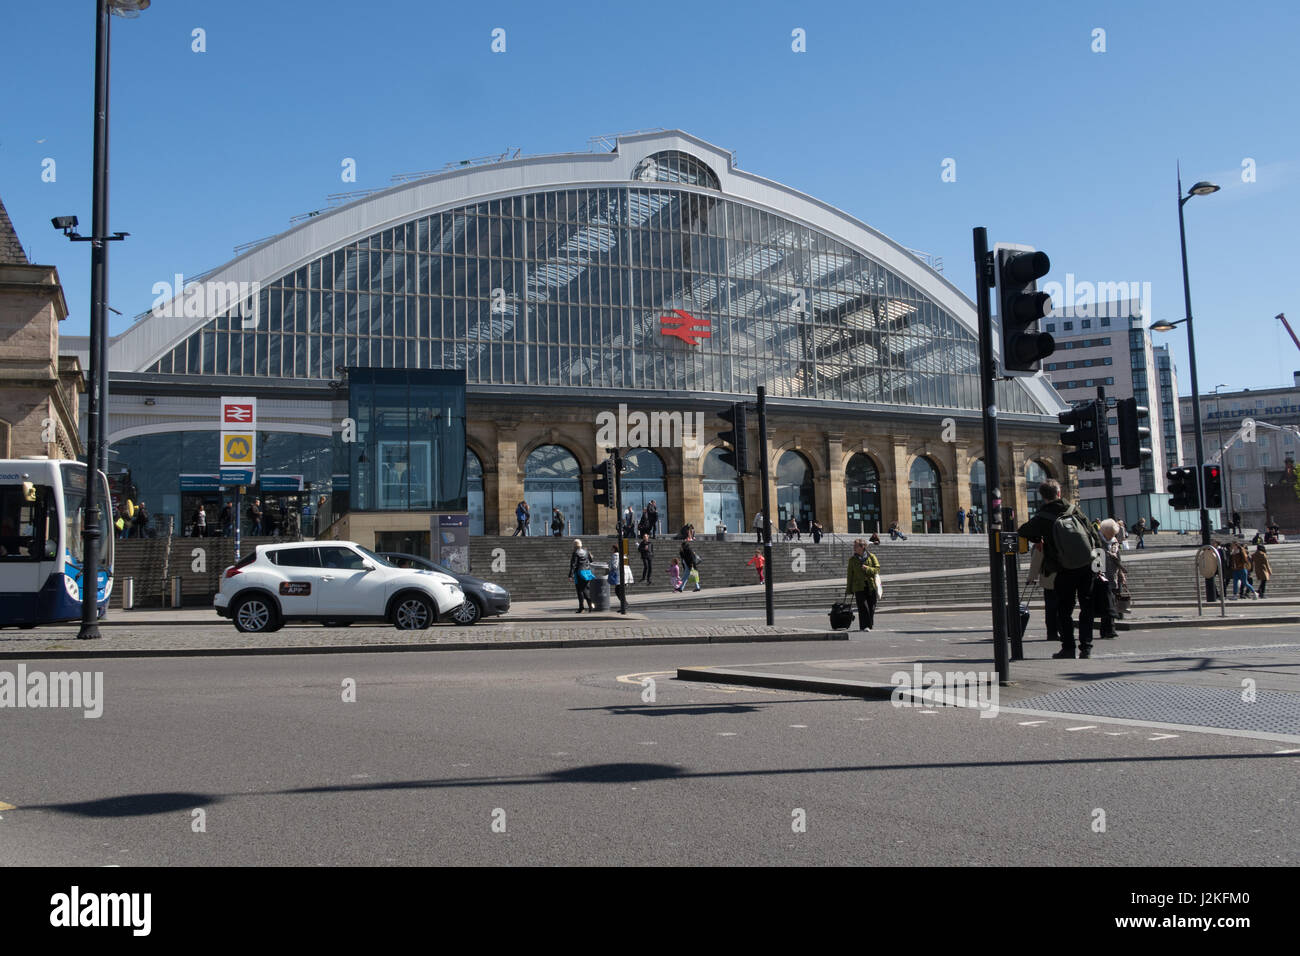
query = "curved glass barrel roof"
x=659 y=282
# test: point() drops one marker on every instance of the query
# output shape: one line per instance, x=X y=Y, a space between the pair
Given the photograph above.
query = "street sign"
x=237 y=476
x=238 y=413
x=238 y=449
x=281 y=482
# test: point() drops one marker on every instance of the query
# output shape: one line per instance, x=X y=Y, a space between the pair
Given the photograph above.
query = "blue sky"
x=1055 y=145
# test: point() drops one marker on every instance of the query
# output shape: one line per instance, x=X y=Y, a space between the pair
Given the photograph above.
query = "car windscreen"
x=383 y=562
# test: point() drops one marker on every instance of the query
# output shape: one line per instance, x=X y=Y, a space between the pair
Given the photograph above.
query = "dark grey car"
x=482 y=598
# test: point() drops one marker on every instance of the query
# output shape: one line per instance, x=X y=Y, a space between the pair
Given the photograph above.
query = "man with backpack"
x=1070 y=548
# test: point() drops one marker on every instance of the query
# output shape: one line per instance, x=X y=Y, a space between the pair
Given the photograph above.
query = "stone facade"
x=38 y=387
x=503 y=435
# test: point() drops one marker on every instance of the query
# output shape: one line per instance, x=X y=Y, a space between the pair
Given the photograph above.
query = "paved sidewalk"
x=180 y=640
x=1248 y=690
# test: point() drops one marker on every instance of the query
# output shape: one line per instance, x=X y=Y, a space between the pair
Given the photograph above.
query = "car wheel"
x=413 y=612
x=468 y=613
x=256 y=615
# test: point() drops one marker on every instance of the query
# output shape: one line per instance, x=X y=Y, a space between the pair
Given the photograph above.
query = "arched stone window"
x=553 y=479
x=862 y=494
x=927 y=502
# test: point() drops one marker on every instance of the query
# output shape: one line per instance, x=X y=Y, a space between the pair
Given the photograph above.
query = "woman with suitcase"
x=864 y=568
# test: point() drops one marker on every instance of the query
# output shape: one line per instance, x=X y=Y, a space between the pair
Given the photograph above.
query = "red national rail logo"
x=685 y=326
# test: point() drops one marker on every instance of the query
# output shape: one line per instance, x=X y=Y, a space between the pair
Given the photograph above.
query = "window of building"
x=1107 y=360
x=1105 y=322
x=1069 y=326
x=1051 y=326
x=1265 y=459
x=1086 y=324
x=1239 y=461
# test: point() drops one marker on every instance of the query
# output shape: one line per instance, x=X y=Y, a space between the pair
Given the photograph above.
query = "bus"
x=42 y=510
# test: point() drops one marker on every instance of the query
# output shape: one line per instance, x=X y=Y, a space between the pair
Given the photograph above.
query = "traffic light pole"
x=1103 y=448
x=767 y=503
x=983 y=271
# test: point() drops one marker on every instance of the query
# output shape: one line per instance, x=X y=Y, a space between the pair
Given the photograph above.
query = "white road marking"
x=1293 y=751
x=727 y=733
x=1031 y=723
x=800 y=726
x=1163 y=737
x=1085 y=727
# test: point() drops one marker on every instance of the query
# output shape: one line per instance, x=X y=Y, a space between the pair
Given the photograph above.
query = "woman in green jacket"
x=863 y=570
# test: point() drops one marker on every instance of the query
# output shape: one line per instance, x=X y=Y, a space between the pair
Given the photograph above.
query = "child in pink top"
x=675 y=574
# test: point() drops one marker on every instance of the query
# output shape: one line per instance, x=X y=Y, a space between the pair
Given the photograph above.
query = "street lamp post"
x=1200 y=189
x=97 y=390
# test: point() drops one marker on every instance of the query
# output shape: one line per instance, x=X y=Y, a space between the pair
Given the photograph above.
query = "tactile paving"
x=1271 y=711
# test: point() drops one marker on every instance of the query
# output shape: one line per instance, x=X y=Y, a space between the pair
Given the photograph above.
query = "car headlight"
x=493 y=588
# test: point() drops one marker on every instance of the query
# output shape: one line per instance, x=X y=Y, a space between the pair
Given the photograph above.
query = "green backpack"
x=1072 y=541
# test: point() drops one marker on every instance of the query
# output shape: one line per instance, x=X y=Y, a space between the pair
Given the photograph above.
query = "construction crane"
x=1282 y=318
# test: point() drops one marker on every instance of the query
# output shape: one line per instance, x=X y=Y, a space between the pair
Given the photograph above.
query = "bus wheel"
x=256 y=615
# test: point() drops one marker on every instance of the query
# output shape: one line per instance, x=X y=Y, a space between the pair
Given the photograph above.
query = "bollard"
x=128 y=593
x=176 y=591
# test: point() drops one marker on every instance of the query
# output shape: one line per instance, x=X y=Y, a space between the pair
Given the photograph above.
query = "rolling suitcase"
x=841 y=615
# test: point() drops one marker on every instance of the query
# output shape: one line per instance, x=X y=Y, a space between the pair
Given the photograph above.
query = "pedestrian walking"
x=1140 y=529
x=758 y=527
x=227 y=520
x=557 y=523
x=142 y=521
x=863 y=579
x=1240 y=563
x=617 y=580
x=1068 y=543
x=758 y=562
x=792 y=530
x=521 y=519
x=1123 y=536
x=646 y=550
x=202 y=522
x=961 y=519
x=675 y=574
x=652 y=510
x=1236 y=522
x=816 y=531
x=255 y=517
x=1264 y=573
x=691 y=562
x=581 y=575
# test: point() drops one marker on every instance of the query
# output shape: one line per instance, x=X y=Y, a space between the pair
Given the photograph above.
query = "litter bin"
x=176 y=591
x=128 y=593
x=598 y=587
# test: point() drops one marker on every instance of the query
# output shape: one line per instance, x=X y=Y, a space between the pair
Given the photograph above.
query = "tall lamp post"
x=1200 y=189
x=97 y=390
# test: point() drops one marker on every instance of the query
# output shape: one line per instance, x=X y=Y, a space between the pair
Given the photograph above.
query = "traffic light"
x=1183 y=493
x=1020 y=307
x=738 y=456
x=604 y=486
x=1213 y=487
x=1088 y=424
x=1132 y=434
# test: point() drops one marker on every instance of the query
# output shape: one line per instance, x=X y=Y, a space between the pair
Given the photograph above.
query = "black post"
x=614 y=462
x=91 y=533
x=1191 y=360
x=1013 y=594
x=1103 y=450
x=767 y=504
x=983 y=277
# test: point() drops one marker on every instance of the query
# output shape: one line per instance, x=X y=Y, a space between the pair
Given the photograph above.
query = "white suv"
x=334 y=582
